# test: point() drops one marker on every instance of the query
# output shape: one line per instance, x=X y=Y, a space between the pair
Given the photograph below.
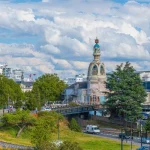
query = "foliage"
x=9 y=90
x=86 y=142
x=73 y=104
x=21 y=119
x=126 y=92
x=46 y=125
x=45 y=89
x=147 y=124
x=68 y=145
x=74 y=125
x=30 y=101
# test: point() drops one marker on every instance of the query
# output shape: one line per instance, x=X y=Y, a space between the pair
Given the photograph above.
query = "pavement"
x=15 y=146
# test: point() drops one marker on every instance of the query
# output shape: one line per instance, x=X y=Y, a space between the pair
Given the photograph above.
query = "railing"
x=75 y=110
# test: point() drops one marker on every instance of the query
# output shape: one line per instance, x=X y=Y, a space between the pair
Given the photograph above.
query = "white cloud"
x=61 y=33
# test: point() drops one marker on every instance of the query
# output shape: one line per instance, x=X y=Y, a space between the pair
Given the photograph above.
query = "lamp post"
x=141 y=132
x=121 y=139
x=58 y=129
x=131 y=134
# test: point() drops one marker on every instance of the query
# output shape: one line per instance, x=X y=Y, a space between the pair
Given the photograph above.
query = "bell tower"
x=96 y=77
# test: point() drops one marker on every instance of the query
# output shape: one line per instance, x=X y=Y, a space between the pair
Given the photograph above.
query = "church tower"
x=96 y=78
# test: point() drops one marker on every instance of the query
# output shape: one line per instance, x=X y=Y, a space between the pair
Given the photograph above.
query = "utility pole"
x=58 y=129
x=131 y=134
x=141 y=132
x=121 y=139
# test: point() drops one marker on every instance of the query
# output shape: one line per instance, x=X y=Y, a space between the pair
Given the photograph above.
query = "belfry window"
x=102 y=70
x=94 y=70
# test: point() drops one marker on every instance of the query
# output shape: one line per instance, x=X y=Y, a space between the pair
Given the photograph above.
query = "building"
x=77 y=78
x=145 y=77
x=26 y=86
x=91 y=91
x=11 y=73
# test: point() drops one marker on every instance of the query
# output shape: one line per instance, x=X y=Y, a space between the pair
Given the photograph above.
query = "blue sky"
x=47 y=36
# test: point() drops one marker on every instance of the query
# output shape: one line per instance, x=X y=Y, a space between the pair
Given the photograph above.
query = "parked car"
x=46 y=109
x=146 y=140
x=124 y=136
x=92 y=129
x=143 y=148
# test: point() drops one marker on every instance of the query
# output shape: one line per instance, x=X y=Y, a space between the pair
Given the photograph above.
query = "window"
x=94 y=98
x=94 y=70
x=102 y=71
x=102 y=99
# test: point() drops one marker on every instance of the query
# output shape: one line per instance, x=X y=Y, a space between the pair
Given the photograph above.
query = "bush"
x=73 y=104
x=74 y=125
x=67 y=145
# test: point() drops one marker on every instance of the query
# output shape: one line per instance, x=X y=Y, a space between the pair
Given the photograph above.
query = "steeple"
x=96 y=77
x=96 y=50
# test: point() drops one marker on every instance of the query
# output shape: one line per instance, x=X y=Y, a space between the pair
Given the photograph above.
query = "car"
x=124 y=136
x=143 y=148
x=92 y=129
x=46 y=109
x=146 y=140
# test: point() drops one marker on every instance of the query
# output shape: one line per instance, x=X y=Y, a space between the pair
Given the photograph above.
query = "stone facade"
x=96 y=78
x=93 y=90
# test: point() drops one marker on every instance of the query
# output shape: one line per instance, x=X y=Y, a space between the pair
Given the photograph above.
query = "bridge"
x=77 y=110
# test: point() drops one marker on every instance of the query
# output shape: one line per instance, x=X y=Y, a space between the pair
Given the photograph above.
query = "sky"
x=57 y=36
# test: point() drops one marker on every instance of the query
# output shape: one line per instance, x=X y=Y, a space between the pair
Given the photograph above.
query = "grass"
x=87 y=142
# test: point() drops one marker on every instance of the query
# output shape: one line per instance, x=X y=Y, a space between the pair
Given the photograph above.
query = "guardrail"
x=74 y=110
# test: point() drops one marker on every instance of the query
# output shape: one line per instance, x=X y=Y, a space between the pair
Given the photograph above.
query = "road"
x=135 y=141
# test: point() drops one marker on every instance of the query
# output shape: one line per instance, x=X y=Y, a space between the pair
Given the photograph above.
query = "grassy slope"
x=87 y=142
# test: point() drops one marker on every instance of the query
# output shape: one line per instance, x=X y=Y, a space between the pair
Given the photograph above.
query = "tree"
x=46 y=125
x=147 y=124
x=30 y=101
x=21 y=119
x=126 y=92
x=9 y=90
x=48 y=88
x=74 y=125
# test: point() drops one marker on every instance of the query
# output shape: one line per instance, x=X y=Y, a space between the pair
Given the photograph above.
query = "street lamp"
x=131 y=134
x=121 y=139
x=141 y=132
x=58 y=129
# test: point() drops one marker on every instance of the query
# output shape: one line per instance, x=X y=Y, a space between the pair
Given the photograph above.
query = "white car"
x=46 y=109
x=92 y=129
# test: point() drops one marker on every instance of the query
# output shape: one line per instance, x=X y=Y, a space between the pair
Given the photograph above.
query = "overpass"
x=77 y=110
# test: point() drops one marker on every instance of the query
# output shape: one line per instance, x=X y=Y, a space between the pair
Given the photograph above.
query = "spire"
x=96 y=43
x=96 y=50
x=96 y=40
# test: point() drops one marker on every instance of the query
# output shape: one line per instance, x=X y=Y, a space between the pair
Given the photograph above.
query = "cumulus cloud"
x=62 y=34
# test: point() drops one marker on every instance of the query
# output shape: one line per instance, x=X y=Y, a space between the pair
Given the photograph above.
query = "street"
x=135 y=141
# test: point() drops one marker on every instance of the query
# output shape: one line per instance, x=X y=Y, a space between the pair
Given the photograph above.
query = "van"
x=92 y=129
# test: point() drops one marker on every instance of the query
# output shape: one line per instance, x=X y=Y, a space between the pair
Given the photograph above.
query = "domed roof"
x=96 y=45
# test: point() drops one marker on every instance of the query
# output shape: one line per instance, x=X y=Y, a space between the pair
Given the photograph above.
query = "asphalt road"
x=135 y=141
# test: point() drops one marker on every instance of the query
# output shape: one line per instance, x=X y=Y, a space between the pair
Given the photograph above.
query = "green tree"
x=42 y=133
x=147 y=124
x=73 y=125
x=126 y=92
x=30 y=101
x=48 y=88
x=21 y=119
x=67 y=145
x=9 y=90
